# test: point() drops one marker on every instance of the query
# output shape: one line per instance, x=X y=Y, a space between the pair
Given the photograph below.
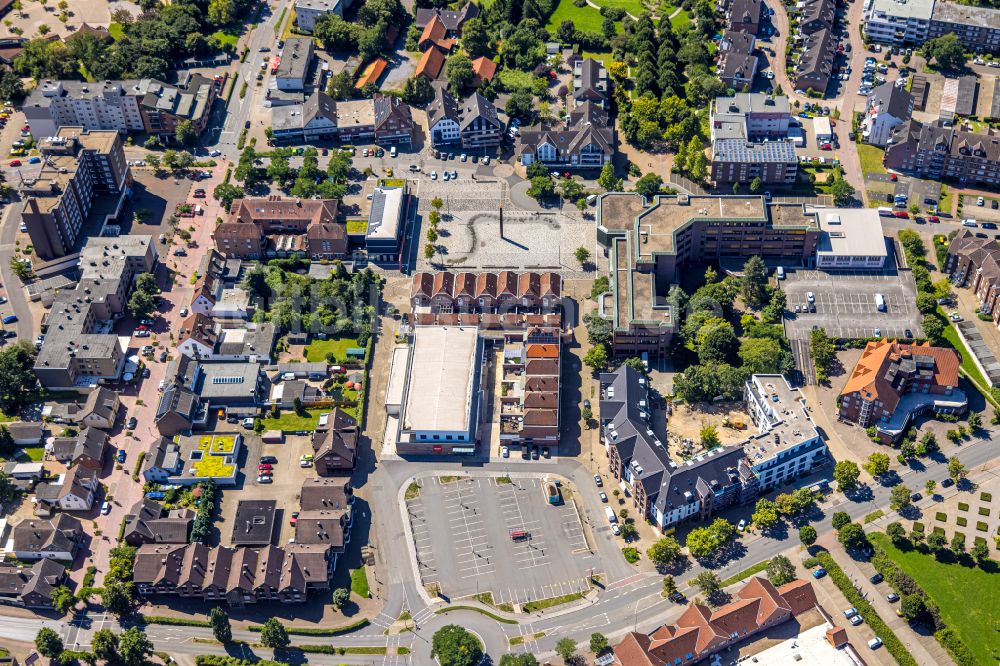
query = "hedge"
x=138 y=466
x=219 y=660
x=332 y=649
x=892 y=643
x=958 y=650
x=316 y=631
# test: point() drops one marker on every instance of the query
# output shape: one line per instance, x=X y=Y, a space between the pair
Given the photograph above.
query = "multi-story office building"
x=78 y=168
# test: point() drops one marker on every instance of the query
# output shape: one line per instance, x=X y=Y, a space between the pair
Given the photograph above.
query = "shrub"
x=962 y=506
x=631 y=555
x=983 y=511
x=962 y=522
x=981 y=526
x=955 y=647
x=986 y=497
x=941 y=516
x=918 y=527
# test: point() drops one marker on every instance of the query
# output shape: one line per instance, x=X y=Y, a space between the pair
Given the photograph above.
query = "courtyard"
x=464 y=533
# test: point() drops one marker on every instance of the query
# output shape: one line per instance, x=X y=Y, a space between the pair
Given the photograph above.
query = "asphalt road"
x=16 y=294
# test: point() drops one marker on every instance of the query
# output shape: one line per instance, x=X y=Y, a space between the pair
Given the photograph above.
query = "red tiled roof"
x=372 y=73
x=484 y=68
x=799 y=595
x=868 y=376
x=430 y=63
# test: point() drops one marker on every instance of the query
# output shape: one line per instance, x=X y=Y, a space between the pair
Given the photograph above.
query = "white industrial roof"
x=442 y=372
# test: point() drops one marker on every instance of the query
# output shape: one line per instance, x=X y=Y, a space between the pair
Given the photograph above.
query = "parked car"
x=265 y=478
x=604 y=498
x=819 y=573
x=120 y=456
x=10 y=319
x=850 y=612
x=875 y=643
x=598 y=481
x=876 y=579
x=504 y=452
x=892 y=597
x=132 y=423
x=268 y=460
x=163 y=356
x=105 y=508
x=742 y=525
x=856 y=620
x=947 y=483
x=264 y=467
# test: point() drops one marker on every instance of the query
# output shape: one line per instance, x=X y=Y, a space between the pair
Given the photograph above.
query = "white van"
x=612 y=518
x=287 y=376
x=969 y=222
x=780 y=273
x=880 y=302
x=393 y=152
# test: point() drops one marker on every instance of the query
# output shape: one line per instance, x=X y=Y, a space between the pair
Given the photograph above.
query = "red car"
x=141 y=327
x=264 y=467
x=294 y=519
x=15 y=163
x=893 y=177
x=934 y=218
x=26 y=128
x=902 y=214
x=199 y=194
x=825 y=146
x=326 y=152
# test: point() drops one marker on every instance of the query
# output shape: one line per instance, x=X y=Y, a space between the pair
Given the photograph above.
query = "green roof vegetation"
x=213 y=466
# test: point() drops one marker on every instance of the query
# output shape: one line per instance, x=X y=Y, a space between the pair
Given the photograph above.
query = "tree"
x=118 y=598
x=842 y=191
x=664 y=552
x=566 y=32
x=716 y=342
x=596 y=358
x=706 y=541
x=899 y=497
x=459 y=73
x=852 y=536
x=17 y=381
x=221 y=628
x=455 y=646
x=63 y=599
x=929 y=443
x=226 y=193
x=936 y=541
x=763 y=356
x=840 y=518
x=765 y=515
x=341 y=596
x=946 y=51
x=598 y=643
x=956 y=470
x=522 y=659
x=541 y=188
x=896 y=532
x=710 y=437
x=429 y=251
x=134 y=647
x=582 y=255
x=975 y=420
x=144 y=294
x=104 y=643
x=571 y=189
x=475 y=39
x=930 y=486
x=933 y=328
x=279 y=170
x=669 y=586
x=520 y=105
x=48 y=643
x=780 y=570
x=980 y=552
x=649 y=185
x=607 y=180
x=957 y=545
x=912 y=606
x=807 y=535
x=273 y=634
x=220 y=12
x=184 y=131
x=877 y=464
x=708 y=582
x=846 y=474
x=754 y=282
x=755 y=185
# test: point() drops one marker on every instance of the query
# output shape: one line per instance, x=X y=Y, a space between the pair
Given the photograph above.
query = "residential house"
x=483 y=70
x=162 y=461
x=590 y=83
x=585 y=141
x=473 y=123
x=393 y=121
x=936 y=152
x=26 y=433
x=76 y=490
x=893 y=382
x=740 y=161
x=253 y=524
x=258 y=228
x=888 y=107
x=443 y=118
x=816 y=15
x=745 y=16
x=326 y=240
x=335 y=443
x=313 y=120
x=737 y=62
x=179 y=409
x=87 y=448
x=99 y=410
x=431 y=63
x=293 y=66
x=147 y=522
x=484 y=292
x=975 y=263
x=307 y=11
x=750 y=116
x=56 y=539
x=453 y=20
x=32 y=586
x=815 y=65
x=435 y=34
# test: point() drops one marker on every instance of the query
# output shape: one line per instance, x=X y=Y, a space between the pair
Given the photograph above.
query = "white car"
x=980 y=201
x=742 y=526
x=875 y=643
x=486 y=160
x=163 y=385
x=184 y=312
x=954 y=316
x=504 y=452
x=769 y=75
x=850 y=612
x=615 y=529
x=24 y=228
x=434 y=175
x=106 y=508
x=214 y=153
x=305 y=463
x=856 y=620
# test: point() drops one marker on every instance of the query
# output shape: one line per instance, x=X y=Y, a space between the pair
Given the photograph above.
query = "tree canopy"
x=453 y=645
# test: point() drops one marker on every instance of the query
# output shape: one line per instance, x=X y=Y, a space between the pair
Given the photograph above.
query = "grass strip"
x=891 y=642
x=873 y=516
x=316 y=631
x=412 y=491
x=281 y=20
x=138 y=466
x=542 y=604
x=176 y=621
x=359 y=583
x=746 y=573
x=332 y=649
x=449 y=609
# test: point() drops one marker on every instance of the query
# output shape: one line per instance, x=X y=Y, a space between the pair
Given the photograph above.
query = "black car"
x=132 y=423
x=525 y=452
x=908 y=333
x=586 y=404
x=947 y=483
x=995 y=204
x=916 y=497
x=163 y=356
x=145 y=372
x=545 y=452
x=876 y=579
x=988 y=225
x=534 y=452
x=268 y=460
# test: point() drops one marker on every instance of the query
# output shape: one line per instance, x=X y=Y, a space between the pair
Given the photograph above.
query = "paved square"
x=469 y=234
x=462 y=535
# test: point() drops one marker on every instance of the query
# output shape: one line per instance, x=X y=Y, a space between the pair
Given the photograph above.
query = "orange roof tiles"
x=868 y=376
x=434 y=31
x=799 y=595
x=430 y=63
x=538 y=350
x=484 y=69
x=372 y=73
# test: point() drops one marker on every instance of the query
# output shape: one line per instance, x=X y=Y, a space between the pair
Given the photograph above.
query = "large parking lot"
x=462 y=534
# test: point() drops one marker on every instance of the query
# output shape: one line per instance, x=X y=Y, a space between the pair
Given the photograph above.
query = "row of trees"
x=130 y=648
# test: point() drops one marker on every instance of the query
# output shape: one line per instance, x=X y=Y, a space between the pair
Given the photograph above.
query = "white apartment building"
x=110 y=105
x=898 y=21
x=307 y=11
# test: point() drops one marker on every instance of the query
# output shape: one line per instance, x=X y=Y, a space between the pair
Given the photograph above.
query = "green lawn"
x=604 y=57
x=34 y=453
x=357 y=226
x=226 y=37
x=947 y=200
x=633 y=7
x=359 y=582
x=681 y=19
x=289 y=421
x=116 y=30
x=969 y=598
x=871 y=158
x=951 y=335
x=318 y=349
x=585 y=18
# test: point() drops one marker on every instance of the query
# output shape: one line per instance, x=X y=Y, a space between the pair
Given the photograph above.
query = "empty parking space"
x=475 y=535
x=845 y=304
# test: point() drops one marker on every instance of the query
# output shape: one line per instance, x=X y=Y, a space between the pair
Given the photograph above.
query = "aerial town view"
x=511 y=332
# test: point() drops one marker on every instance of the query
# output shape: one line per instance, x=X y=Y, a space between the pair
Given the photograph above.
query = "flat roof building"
x=254 y=522
x=441 y=409
x=386 y=222
x=296 y=56
x=849 y=238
